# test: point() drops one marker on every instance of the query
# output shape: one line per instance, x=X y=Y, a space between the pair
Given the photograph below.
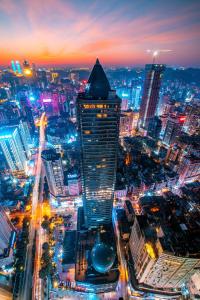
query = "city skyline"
x=120 y=33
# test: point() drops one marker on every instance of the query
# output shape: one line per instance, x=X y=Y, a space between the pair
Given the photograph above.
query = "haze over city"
x=58 y=32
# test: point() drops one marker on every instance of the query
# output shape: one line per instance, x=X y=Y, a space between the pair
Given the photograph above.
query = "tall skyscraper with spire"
x=150 y=97
x=98 y=110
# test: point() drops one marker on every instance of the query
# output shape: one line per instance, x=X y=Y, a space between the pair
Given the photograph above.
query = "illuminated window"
x=101 y=115
x=92 y=106
x=87 y=131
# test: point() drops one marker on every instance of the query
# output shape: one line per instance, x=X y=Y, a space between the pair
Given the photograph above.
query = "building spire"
x=98 y=82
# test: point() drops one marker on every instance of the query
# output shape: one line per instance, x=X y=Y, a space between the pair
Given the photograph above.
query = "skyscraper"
x=7 y=238
x=12 y=147
x=25 y=136
x=98 y=111
x=173 y=129
x=54 y=172
x=150 y=97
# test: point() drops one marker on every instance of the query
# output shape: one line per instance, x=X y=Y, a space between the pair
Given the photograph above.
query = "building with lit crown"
x=98 y=118
x=150 y=97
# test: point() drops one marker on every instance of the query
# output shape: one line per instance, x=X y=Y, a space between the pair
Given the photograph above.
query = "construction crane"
x=157 y=52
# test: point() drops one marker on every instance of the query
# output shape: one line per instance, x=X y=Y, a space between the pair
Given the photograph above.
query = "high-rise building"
x=27 y=69
x=7 y=238
x=98 y=118
x=25 y=135
x=136 y=96
x=150 y=97
x=128 y=123
x=154 y=127
x=164 y=242
x=54 y=172
x=173 y=129
x=27 y=113
x=189 y=170
x=12 y=147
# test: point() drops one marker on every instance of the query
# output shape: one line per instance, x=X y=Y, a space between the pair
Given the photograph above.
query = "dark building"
x=27 y=113
x=98 y=119
x=172 y=131
x=153 y=75
x=154 y=127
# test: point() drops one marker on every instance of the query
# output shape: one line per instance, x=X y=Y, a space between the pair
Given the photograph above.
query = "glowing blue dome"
x=103 y=257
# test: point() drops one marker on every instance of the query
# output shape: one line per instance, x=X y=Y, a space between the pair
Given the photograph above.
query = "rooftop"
x=178 y=223
x=98 y=85
x=7 y=131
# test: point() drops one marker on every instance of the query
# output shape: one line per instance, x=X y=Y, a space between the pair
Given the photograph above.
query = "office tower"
x=189 y=170
x=27 y=69
x=163 y=104
x=13 y=66
x=50 y=103
x=9 y=113
x=25 y=135
x=154 y=127
x=150 y=97
x=98 y=118
x=128 y=123
x=19 y=69
x=136 y=95
x=192 y=122
x=12 y=147
x=54 y=172
x=7 y=238
x=173 y=129
x=27 y=113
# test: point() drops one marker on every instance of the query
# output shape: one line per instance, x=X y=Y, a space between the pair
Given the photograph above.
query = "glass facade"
x=98 y=119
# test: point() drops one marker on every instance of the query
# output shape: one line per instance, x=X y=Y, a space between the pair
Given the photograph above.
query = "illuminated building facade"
x=27 y=69
x=54 y=172
x=189 y=169
x=98 y=119
x=7 y=238
x=136 y=97
x=128 y=123
x=150 y=97
x=12 y=147
x=25 y=136
x=74 y=184
x=172 y=130
x=165 y=253
x=192 y=122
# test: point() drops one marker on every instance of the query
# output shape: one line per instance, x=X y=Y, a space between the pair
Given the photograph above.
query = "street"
x=27 y=284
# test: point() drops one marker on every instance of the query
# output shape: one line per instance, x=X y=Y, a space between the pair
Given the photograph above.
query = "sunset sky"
x=75 y=32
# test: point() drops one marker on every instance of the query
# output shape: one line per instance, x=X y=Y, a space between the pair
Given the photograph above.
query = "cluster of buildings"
x=131 y=141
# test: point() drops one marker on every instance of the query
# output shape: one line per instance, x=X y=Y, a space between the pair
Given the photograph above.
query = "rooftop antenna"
x=155 y=53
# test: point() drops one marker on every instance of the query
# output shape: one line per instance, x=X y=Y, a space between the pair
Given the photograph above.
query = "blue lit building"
x=12 y=148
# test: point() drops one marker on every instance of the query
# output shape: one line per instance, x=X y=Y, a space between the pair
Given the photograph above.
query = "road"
x=27 y=284
x=123 y=279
